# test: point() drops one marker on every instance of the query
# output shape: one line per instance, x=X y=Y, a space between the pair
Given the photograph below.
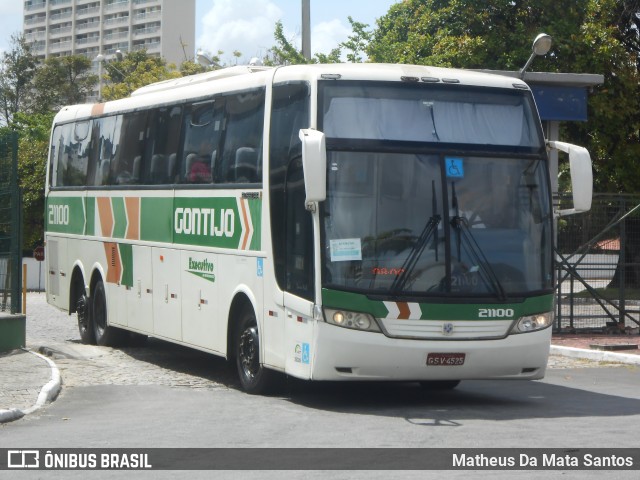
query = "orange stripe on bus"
x=106 y=215
x=97 y=109
x=114 y=265
x=405 y=311
x=245 y=238
x=132 y=205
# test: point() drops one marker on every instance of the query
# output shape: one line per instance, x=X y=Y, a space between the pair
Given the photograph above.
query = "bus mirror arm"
x=581 y=177
x=314 y=165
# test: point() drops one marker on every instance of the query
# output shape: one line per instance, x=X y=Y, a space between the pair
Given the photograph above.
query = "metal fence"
x=10 y=225
x=598 y=267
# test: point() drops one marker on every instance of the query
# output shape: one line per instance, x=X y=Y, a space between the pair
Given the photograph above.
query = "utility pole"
x=306 y=29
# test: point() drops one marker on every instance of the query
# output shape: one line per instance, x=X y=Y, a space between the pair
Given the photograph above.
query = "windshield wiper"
x=416 y=252
x=465 y=238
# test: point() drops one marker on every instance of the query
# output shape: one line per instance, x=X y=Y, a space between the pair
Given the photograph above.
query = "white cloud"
x=326 y=36
x=243 y=25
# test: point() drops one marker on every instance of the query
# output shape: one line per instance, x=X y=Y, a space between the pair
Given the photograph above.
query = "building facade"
x=57 y=28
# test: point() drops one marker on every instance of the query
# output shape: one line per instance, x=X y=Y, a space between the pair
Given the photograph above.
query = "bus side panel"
x=167 y=319
x=202 y=317
x=241 y=274
x=139 y=300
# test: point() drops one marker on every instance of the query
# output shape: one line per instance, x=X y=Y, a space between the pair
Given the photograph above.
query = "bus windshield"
x=405 y=218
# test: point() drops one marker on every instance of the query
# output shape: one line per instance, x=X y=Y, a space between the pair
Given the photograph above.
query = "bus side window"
x=125 y=169
x=241 y=160
x=70 y=150
x=162 y=140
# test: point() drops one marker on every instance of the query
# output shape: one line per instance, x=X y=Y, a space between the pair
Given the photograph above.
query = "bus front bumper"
x=344 y=354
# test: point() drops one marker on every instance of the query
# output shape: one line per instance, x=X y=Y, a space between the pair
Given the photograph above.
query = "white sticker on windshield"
x=345 y=249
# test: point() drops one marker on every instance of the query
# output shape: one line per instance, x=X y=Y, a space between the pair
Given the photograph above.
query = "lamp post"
x=99 y=58
x=541 y=46
x=205 y=61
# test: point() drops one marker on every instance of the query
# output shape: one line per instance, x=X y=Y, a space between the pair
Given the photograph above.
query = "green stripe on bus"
x=156 y=219
x=126 y=256
x=435 y=311
x=119 y=217
x=255 y=210
x=65 y=215
x=90 y=224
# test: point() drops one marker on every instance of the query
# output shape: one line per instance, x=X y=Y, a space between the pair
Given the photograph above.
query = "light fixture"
x=541 y=46
x=205 y=61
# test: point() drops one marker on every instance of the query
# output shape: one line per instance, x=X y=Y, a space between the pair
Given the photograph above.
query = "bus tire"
x=85 y=324
x=440 y=384
x=255 y=379
x=104 y=334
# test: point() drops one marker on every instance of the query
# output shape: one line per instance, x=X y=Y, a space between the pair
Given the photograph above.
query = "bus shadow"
x=185 y=360
x=473 y=399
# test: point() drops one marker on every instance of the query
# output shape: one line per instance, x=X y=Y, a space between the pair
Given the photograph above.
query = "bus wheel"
x=85 y=325
x=440 y=384
x=104 y=335
x=254 y=378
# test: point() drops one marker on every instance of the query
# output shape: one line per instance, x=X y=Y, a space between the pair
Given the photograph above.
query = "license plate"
x=446 y=359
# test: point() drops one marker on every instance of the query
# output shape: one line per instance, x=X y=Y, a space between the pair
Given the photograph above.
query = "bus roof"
x=244 y=77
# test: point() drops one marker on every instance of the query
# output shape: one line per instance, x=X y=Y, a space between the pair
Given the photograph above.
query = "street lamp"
x=99 y=58
x=205 y=61
x=541 y=46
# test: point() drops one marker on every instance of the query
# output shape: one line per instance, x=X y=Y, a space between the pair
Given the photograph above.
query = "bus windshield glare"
x=434 y=192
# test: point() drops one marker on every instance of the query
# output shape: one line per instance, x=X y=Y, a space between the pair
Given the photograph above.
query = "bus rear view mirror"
x=581 y=176
x=314 y=164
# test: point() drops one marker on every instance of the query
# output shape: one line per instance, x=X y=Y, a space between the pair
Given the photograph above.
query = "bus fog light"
x=353 y=320
x=532 y=323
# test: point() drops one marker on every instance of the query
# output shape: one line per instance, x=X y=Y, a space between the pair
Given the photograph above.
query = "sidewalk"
x=29 y=380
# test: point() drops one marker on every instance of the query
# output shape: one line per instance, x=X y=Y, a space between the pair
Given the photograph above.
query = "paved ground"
x=55 y=335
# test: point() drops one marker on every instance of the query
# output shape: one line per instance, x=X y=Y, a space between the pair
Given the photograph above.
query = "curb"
x=596 y=355
x=47 y=394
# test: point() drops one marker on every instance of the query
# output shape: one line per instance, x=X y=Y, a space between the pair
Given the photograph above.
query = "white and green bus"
x=329 y=222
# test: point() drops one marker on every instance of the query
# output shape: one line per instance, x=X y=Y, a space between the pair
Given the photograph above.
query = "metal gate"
x=10 y=225
x=598 y=268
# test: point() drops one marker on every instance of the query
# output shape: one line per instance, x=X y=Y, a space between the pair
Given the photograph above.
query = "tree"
x=63 y=81
x=17 y=69
x=357 y=41
x=284 y=53
x=33 y=148
x=135 y=70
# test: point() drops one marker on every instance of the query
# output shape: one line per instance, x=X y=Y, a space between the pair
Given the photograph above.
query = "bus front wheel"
x=254 y=377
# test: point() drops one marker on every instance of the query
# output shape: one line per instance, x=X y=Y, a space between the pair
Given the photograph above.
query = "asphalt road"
x=163 y=395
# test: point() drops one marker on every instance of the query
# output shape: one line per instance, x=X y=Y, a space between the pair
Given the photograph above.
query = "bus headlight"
x=532 y=323
x=354 y=320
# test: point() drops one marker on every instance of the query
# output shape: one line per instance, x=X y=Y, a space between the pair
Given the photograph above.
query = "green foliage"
x=33 y=148
x=135 y=70
x=63 y=81
x=17 y=69
x=284 y=53
x=357 y=41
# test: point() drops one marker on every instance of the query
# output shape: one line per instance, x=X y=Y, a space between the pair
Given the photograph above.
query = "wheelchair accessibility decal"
x=454 y=167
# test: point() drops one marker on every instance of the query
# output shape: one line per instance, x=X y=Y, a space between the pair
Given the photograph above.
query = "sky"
x=248 y=25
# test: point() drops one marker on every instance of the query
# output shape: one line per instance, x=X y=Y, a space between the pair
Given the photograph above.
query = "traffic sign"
x=38 y=254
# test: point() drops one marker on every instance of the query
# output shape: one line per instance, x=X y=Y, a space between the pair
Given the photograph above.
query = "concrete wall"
x=35 y=274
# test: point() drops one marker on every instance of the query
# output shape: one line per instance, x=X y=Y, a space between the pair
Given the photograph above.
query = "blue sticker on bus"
x=260 y=267
x=454 y=167
x=305 y=353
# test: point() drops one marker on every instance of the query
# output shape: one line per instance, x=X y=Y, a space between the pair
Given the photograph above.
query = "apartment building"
x=91 y=27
